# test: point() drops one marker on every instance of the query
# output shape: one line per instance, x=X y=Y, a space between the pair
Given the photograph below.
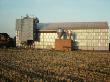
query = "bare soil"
x=34 y=65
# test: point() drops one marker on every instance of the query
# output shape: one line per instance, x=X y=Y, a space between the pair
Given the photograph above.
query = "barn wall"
x=84 y=39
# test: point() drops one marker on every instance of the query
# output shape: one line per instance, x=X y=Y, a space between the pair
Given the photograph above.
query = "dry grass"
x=51 y=66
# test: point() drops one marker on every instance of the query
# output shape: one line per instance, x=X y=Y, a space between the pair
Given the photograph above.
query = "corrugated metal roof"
x=73 y=25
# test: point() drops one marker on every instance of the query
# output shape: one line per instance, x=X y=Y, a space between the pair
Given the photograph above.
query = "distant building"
x=85 y=35
x=6 y=41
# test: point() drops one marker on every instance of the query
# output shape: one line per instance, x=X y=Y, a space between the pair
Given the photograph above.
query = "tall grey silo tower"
x=25 y=29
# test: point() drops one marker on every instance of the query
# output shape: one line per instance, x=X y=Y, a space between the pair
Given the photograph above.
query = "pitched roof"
x=72 y=25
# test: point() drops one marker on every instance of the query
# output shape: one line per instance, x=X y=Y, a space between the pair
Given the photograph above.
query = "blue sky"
x=52 y=11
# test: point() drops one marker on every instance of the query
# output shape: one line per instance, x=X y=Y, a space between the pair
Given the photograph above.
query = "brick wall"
x=63 y=44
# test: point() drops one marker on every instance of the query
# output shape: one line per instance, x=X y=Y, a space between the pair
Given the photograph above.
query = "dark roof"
x=72 y=25
x=4 y=34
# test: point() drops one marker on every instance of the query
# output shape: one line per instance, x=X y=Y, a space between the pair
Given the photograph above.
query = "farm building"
x=84 y=35
x=6 y=41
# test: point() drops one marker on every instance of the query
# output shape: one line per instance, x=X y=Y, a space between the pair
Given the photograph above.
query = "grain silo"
x=26 y=29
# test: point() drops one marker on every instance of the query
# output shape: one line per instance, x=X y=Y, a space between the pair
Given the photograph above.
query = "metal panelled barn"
x=85 y=35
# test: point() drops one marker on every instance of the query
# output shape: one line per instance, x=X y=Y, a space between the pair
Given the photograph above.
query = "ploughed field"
x=31 y=65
